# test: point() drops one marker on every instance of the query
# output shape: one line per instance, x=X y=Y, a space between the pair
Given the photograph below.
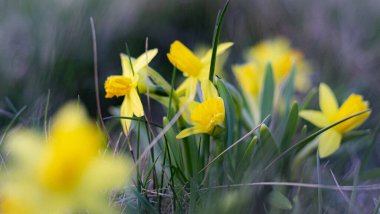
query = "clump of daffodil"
x=204 y=116
x=65 y=172
x=330 y=113
x=282 y=57
x=126 y=85
x=194 y=68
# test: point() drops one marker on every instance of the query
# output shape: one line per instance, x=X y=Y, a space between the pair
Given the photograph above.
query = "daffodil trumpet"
x=330 y=140
x=205 y=117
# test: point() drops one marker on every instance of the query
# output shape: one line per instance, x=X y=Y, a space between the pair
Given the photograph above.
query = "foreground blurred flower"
x=126 y=85
x=194 y=68
x=330 y=113
x=66 y=172
x=205 y=116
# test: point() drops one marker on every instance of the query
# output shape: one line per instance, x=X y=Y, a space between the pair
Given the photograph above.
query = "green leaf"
x=266 y=149
x=289 y=89
x=278 y=200
x=309 y=97
x=230 y=111
x=352 y=135
x=215 y=40
x=266 y=97
x=247 y=156
x=291 y=127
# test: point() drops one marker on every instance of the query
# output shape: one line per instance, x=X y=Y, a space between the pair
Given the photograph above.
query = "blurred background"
x=46 y=44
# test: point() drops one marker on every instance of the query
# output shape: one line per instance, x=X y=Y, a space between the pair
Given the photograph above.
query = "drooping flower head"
x=66 y=172
x=126 y=85
x=204 y=116
x=194 y=68
x=330 y=113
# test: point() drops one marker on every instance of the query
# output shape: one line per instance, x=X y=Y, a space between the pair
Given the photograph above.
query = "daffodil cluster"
x=282 y=57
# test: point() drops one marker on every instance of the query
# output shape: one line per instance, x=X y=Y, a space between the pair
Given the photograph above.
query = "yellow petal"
x=329 y=143
x=126 y=66
x=181 y=90
x=136 y=104
x=126 y=111
x=191 y=105
x=144 y=59
x=182 y=58
x=208 y=90
x=249 y=77
x=327 y=100
x=190 y=131
x=192 y=88
x=315 y=117
x=223 y=47
x=354 y=104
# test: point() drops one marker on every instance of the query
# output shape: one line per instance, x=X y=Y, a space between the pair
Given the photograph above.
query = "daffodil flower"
x=250 y=80
x=66 y=172
x=280 y=54
x=330 y=113
x=194 y=68
x=204 y=116
x=126 y=85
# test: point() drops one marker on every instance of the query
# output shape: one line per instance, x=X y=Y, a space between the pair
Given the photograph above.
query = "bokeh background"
x=46 y=44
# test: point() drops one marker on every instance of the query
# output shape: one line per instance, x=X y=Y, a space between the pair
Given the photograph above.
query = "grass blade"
x=215 y=40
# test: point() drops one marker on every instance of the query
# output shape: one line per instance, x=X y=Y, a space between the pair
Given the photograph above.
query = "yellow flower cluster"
x=67 y=171
x=205 y=116
x=282 y=57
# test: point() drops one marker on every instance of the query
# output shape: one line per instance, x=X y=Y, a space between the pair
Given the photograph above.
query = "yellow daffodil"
x=250 y=79
x=194 y=68
x=126 y=85
x=204 y=116
x=67 y=172
x=250 y=76
x=330 y=113
x=279 y=53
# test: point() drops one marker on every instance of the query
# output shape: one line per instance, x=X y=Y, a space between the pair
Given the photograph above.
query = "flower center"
x=119 y=85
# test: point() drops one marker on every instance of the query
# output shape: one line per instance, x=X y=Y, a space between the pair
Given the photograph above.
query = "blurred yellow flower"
x=204 y=116
x=67 y=172
x=250 y=79
x=330 y=113
x=194 y=68
x=126 y=85
x=250 y=76
x=279 y=53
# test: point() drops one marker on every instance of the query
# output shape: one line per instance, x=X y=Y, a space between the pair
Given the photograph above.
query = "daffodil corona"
x=126 y=85
x=205 y=116
x=64 y=172
x=330 y=113
x=194 y=68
